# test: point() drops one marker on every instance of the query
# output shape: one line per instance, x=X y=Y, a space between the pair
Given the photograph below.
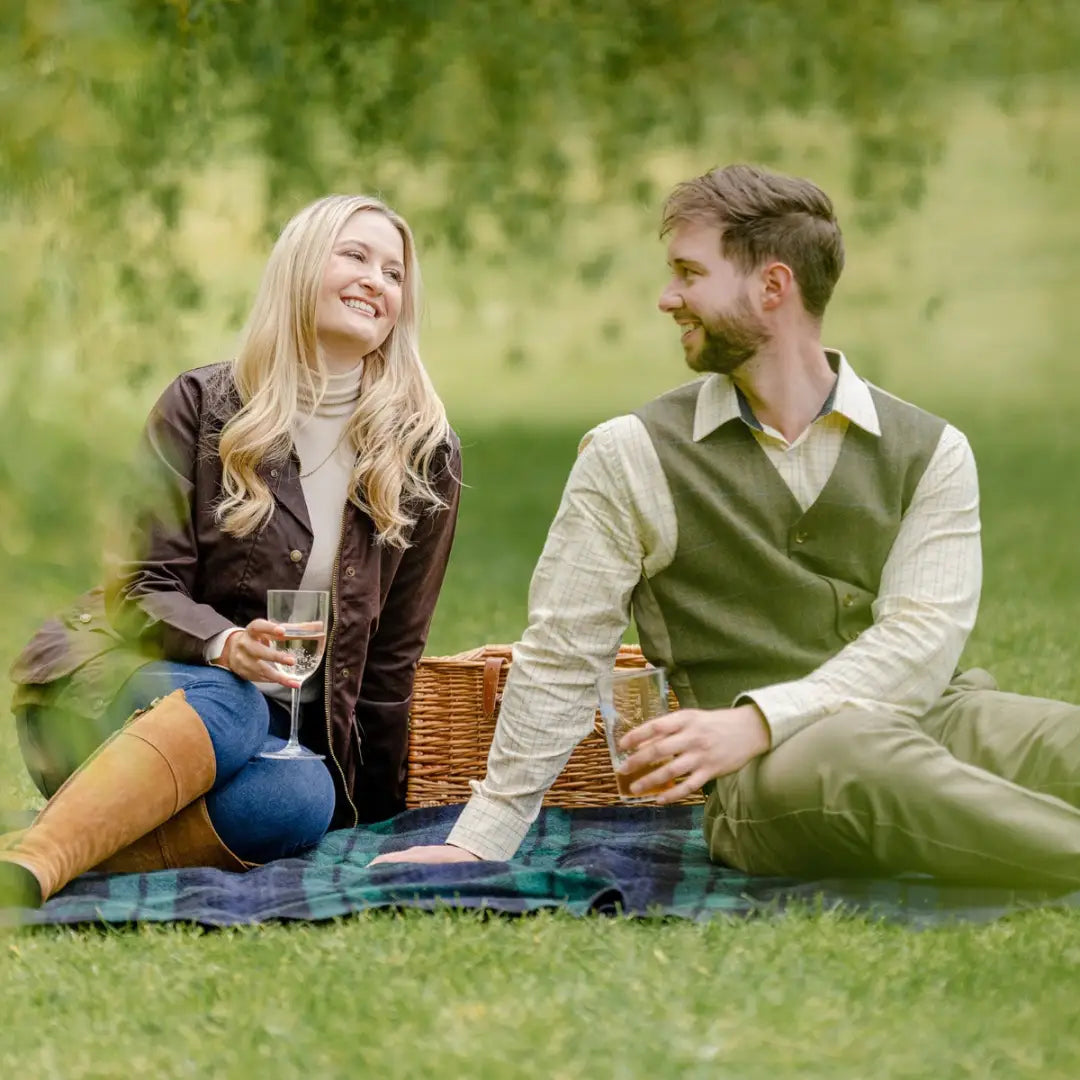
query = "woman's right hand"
x=248 y=653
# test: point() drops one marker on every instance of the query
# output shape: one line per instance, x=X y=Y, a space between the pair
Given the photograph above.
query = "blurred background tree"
x=482 y=113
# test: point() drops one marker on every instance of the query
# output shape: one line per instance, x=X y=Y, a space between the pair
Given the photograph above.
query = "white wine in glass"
x=302 y=613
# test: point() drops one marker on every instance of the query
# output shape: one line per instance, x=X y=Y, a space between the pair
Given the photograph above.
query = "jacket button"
x=274 y=473
x=85 y=617
x=801 y=538
x=295 y=555
x=350 y=571
x=344 y=672
x=848 y=600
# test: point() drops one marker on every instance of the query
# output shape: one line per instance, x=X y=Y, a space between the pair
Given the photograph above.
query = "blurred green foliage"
x=488 y=119
x=124 y=98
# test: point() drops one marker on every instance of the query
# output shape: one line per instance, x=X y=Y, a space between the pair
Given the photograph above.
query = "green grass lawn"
x=800 y=996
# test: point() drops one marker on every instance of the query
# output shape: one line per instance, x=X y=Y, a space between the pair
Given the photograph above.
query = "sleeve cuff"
x=787 y=708
x=213 y=649
x=489 y=830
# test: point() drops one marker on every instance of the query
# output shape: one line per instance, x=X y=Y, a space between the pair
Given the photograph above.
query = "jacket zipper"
x=327 y=672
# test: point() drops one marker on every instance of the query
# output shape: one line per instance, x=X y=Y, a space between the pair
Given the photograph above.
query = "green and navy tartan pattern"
x=628 y=861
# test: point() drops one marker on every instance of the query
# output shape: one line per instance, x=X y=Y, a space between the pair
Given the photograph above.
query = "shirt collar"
x=719 y=401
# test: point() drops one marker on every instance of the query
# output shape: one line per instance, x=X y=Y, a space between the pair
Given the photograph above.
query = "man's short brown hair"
x=766 y=215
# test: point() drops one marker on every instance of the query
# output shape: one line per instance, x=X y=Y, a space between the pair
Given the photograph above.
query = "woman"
x=320 y=458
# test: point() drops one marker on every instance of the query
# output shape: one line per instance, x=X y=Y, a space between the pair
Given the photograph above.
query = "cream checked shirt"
x=616 y=524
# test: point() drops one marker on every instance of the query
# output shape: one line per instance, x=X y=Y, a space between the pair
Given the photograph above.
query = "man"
x=801 y=551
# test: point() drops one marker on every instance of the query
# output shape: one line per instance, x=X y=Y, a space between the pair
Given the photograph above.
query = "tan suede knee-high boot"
x=186 y=839
x=140 y=777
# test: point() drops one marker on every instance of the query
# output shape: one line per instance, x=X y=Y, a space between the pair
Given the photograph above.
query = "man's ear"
x=777 y=282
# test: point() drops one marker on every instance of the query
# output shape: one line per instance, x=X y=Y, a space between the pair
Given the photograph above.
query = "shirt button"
x=801 y=538
x=85 y=617
x=295 y=555
x=350 y=571
x=848 y=600
x=274 y=473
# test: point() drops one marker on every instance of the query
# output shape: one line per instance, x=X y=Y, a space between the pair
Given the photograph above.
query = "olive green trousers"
x=983 y=789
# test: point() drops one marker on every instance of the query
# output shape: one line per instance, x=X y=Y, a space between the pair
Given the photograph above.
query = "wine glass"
x=302 y=613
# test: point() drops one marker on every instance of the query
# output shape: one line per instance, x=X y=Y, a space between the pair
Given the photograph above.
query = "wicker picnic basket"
x=455 y=705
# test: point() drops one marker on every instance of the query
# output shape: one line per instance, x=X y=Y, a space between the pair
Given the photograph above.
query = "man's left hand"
x=695 y=744
x=429 y=853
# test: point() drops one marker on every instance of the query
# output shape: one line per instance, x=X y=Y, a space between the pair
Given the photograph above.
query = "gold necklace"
x=334 y=450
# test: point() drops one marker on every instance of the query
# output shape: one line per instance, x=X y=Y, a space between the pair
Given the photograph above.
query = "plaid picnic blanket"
x=633 y=861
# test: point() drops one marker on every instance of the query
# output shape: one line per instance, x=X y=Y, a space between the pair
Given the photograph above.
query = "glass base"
x=638 y=800
x=624 y=780
x=291 y=753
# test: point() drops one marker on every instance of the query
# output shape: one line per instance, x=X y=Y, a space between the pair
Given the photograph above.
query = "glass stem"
x=294 y=718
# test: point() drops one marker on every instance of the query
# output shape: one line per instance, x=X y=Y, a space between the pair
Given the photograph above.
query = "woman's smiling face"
x=361 y=291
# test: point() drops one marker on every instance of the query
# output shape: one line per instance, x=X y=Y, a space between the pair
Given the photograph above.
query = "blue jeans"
x=262 y=809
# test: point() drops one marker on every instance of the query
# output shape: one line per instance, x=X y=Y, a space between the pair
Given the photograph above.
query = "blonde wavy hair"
x=399 y=422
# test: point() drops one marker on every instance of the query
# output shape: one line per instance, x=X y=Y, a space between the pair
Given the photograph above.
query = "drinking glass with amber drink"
x=629 y=698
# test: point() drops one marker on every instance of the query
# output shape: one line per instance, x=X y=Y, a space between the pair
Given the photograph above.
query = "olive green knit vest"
x=760 y=592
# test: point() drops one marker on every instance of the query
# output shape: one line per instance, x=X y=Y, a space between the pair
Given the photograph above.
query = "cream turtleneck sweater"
x=326 y=462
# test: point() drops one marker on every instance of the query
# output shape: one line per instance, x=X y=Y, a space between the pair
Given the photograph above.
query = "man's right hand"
x=432 y=853
x=248 y=653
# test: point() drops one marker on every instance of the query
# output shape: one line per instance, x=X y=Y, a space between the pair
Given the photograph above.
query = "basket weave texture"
x=455 y=705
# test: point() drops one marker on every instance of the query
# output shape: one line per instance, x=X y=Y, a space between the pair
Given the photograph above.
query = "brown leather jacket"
x=190 y=581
